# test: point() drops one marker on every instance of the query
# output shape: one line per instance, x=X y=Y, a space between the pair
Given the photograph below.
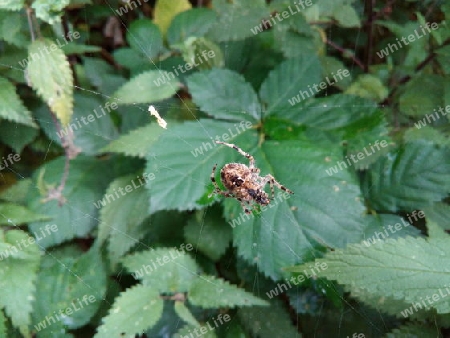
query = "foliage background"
x=235 y=262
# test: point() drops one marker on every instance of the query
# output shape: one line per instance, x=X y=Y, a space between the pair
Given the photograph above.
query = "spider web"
x=349 y=307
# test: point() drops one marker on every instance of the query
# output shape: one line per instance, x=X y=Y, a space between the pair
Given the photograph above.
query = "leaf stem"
x=344 y=51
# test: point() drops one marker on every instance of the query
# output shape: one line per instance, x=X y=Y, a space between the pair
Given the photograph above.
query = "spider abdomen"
x=234 y=175
x=244 y=183
x=239 y=180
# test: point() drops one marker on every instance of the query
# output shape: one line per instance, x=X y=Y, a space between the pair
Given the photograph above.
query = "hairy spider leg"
x=272 y=181
x=216 y=186
x=244 y=206
x=213 y=180
x=243 y=153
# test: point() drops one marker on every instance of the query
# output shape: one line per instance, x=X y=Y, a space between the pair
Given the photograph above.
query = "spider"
x=244 y=183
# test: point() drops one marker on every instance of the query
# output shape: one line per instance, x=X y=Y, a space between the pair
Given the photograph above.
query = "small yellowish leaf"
x=166 y=10
x=50 y=75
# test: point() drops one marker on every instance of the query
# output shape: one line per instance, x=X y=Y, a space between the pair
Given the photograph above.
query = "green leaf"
x=13 y=27
x=137 y=142
x=347 y=17
x=268 y=322
x=191 y=23
x=163 y=269
x=120 y=220
x=14 y=215
x=12 y=108
x=238 y=18
x=189 y=330
x=293 y=44
x=91 y=124
x=201 y=53
x=84 y=188
x=331 y=7
x=133 y=60
x=251 y=57
x=331 y=66
x=413 y=330
x=367 y=140
x=144 y=36
x=190 y=161
x=209 y=292
x=406 y=269
x=49 y=11
x=12 y=5
x=434 y=231
x=443 y=57
x=208 y=235
x=324 y=209
x=384 y=226
x=413 y=177
x=18 y=274
x=422 y=94
x=3 y=328
x=50 y=75
x=70 y=282
x=141 y=303
x=384 y=304
x=334 y=112
x=286 y=80
x=439 y=213
x=184 y=313
x=422 y=132
x=148 y=87
x=102 y=75
x=294 y=36
x=166 y=10
x=17 y=136
x=224 y=94
x=168 y=323
x=369 y=87
x=18 y=192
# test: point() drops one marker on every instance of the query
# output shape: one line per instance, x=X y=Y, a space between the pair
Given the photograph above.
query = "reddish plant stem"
x=343 y=51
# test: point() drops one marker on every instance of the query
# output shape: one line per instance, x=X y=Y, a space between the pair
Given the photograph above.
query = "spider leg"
x=223 y=193
x=272 y=190
x=244 y=205
x=272 y=181
x=243 y=153
x=216 y=186
x=213 y=179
